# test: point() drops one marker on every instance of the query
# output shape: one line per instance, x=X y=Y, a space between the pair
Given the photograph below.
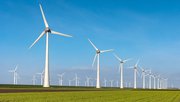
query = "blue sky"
x=148 y=30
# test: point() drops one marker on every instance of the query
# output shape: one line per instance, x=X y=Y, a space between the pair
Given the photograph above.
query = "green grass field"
x=90 y=95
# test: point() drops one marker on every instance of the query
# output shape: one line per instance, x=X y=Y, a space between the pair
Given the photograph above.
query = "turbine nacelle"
x=121 y=61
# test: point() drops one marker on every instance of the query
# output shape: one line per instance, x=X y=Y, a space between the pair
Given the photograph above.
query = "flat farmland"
x=89 y=95
x=72 y=94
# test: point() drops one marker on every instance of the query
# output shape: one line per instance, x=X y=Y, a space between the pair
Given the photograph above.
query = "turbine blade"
x=127 y=60
x=37 y=39
x=38 y=73
x=106 y=50
x=94 y=59
x=44 y=18
x=132 y=67
x=93 y=45
x=117 y=57
x=137 y=63
x=137 y=72
x=61 y=34
x=11 y=71
x=16 y=68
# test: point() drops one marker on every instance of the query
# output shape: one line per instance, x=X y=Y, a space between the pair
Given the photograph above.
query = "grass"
x=82 y=94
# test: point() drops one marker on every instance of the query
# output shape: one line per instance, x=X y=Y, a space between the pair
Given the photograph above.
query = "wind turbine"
x=117 y=83
x=166 y=83
x=158 y=81
x=88 y=81
x=143 y=75
x=111 y=81
x=42 y=76
x=154 y=78
x=34 y=79
x=15 y=75
x=76 y=79
x=121 y=68
x=96 y=57
x=105 y=82
x=61 y=79
x=150 y=75
x=46 y=32
x=70 y=82
x=135 y=67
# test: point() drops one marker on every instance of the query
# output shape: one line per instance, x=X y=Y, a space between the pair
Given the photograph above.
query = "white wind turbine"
x=166 y=83
x=76 y=80
x=121 y=69
x=111 y=81
x=34 y=79
x=46 y=32
x=135 y=67
x=158 y=81
x=154 y=78
x=15 y=75
x=41 y=76
x=117 y=83
x=143 y=75
x=150 y=75
x=88 y=81
x=61 y=78
x=105 y=83
x=70 y=82
x=96 y=57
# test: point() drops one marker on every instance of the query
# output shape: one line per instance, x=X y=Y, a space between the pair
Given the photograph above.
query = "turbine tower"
x=96 y=57
x=158 y=81
x=135 y=67
x=121 y=68
x=61 y=79
x=15 y=75
x=46 y=32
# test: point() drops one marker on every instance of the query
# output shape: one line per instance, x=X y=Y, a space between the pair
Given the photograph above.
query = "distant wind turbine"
x=34 y=79
x=158 y=81
x=117 y=83
x=42 y=76
x=150 y=75
x=154 y=78
x=76 y=80
x=61 y=78
x=70 y=82
x=46 y=32
x=105 y=83
x=143 y=75
x=121 y=68
x=88 y=81
x=135 y=67
x=96 y=57
x=111 y=81
x=15 y=74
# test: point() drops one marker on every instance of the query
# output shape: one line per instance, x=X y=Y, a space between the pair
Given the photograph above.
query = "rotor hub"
x=98 y=51
x=48 y=30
